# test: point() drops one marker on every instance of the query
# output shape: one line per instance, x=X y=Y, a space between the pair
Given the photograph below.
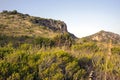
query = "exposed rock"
x=19 y=24
x=54 y=25
x=104 y=36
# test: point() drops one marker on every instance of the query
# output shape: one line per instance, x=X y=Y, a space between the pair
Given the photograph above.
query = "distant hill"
x=13 y=23
x=104 y=36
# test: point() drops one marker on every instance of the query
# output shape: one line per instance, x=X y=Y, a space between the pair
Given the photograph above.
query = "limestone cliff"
x=54 y=25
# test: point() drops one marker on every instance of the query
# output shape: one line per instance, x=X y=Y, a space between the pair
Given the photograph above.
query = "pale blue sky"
x=83 y=17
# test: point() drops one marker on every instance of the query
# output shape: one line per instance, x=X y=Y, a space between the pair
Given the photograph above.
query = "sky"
x=83 y=17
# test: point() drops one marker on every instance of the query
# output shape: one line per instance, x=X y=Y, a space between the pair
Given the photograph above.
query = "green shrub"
x=116 y=50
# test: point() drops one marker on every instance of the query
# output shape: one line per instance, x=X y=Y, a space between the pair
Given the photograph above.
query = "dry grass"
x=15 y=25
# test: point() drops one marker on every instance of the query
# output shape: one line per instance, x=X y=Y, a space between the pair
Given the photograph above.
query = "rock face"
x=54 y=25
x=104 y=36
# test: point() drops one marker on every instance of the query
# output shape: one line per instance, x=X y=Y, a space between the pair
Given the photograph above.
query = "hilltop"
x=13 y=23
x=20 y=28
x=104 y=36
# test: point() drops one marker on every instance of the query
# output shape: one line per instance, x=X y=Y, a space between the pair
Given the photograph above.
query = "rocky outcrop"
x=105 y=36
x=19 y=24
x=54 y=25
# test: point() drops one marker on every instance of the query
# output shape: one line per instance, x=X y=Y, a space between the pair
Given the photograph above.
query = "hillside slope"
x=17 y=24
x=104 y=36
x=18 y=28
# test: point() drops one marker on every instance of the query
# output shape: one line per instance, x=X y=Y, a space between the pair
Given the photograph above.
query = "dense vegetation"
x=50 y=55
x=30 y=62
